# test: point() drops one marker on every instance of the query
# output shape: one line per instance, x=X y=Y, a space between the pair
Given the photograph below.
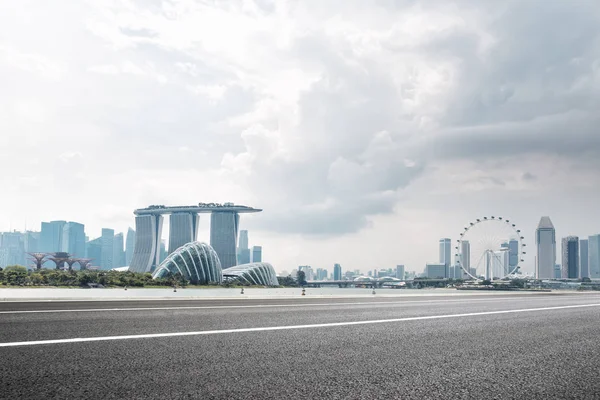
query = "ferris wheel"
x=490 y=248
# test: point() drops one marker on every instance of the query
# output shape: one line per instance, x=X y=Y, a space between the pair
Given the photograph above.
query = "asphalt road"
x=509 y=346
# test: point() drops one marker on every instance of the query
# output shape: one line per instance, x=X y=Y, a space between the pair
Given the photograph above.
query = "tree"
x=287 y=281
x=301 y=278
x=486 y=282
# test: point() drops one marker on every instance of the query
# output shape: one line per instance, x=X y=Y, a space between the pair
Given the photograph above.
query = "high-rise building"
x=594 y=256
x=51 y=236
x=146 y=255
x=256 y=254
x=445 y=254
x=183 y=229
x=73 y=239
x=570 y=257
x=557 y=271
x=309 y=273
x=243 y=239
x=243 y=252
x=513 y=255
x=400 y=272
x=223 y=236
x=129 y=246
x=545 y=239
x=12 y=248
x=163 y=254
x=465 y=257
x=436 y=270
x=94 y=251
x=31 y=242
x=337 y=272
x=584 y=271
x=108 y=239
x=118 y=252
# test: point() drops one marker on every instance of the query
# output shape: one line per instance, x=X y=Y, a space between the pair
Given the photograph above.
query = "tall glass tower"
x=570 y=257
x=594 y=256
x=223 y=236
x=545 y=239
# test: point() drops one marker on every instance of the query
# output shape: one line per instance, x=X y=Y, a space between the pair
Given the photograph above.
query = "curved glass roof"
x=259 y=273
x=195 y=261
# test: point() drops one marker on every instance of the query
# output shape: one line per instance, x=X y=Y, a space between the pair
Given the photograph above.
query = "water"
x=208 y=293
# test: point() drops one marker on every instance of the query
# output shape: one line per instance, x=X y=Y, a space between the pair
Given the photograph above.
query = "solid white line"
x=285 y=327
x=503 y=299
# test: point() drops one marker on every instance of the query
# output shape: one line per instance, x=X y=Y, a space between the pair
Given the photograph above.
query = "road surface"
x=499 y=346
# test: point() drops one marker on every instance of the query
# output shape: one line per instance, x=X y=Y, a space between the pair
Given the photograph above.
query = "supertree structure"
x=38 y=259
x=59 y=259
x=84 y=263
x=70 y=262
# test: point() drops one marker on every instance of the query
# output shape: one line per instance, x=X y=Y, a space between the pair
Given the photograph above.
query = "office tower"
x=256 y=254
x=545 y=239
x=73 y=239
x=12 y=248
x=243 y=252
x=223 y=236
x=51 y=236
x=183 y=229
x=31 y=242
x=500 y=264
x=337 y=272
x=465 y=257
x=513 y=255
x=108 y=238
x=557 y=271
x=400 y=272
x=129 y=246
x=570 y=257
x=94 y=251
x=146 y=253
x=445 y=254
x=118 y=253
x=436 y=270
x=243 y=239
x=584 y=271
x=594 y=256
x=163 y=254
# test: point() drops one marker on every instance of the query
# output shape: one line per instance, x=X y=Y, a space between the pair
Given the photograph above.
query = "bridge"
x=369 y=284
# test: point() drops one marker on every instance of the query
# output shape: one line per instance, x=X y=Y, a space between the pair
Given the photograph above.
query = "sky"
x=365 y=130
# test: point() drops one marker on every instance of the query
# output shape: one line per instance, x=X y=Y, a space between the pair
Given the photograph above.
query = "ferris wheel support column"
x=488 y=265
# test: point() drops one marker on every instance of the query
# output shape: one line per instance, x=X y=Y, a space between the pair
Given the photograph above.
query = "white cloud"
x=364 y=131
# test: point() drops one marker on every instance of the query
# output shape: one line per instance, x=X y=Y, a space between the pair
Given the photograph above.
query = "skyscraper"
x=94 y=251
x=129 y=246
x=183 y=229
x=243 y=252
x=337 y=272
x=570 y=257
x=400 y=272
x=445 y=254
x=108 y=238
x=146 y=254
x=73 y=239
x=545 y=239
x=13 y=249
x=51 y=236
x=594 y=256
x=513 y=255
x=256 y=254
x=118 y=253
x=243 y=239
x=584 y=271
x=223 y=236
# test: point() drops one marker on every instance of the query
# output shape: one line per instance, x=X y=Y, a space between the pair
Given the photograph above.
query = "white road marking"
x=265 y=305
x=285 y=327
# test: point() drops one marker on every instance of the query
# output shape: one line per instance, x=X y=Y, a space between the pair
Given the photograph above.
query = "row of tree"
x=18 y=275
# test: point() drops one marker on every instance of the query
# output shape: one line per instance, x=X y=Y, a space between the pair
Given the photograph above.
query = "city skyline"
x=313 y=124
